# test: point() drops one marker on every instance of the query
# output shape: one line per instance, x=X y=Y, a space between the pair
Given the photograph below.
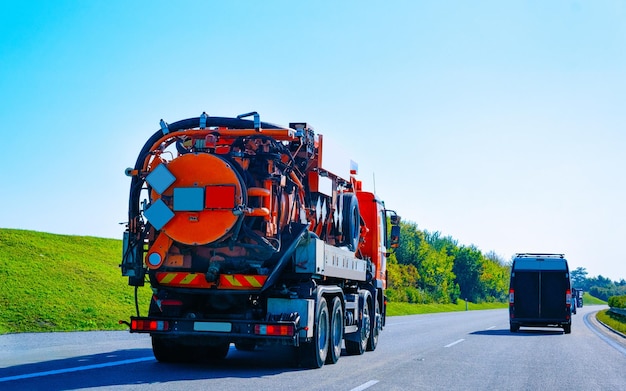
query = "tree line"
x=430 y=268
x=600 y=287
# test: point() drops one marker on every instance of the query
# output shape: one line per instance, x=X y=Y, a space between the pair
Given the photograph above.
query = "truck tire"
x=217 y=352
x=313 y=354
x=169 y=351
x=351 y=221
x=513 y=327
x=376 y=320
x=358 y=347
x=336 y=332
x=245 y=346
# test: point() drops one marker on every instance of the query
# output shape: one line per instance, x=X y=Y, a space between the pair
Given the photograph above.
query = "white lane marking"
x=454 y=343
x=75 y=369
x=365 y=386
x=490 y=328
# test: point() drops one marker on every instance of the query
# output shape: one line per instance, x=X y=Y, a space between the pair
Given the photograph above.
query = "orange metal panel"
x=221 y=182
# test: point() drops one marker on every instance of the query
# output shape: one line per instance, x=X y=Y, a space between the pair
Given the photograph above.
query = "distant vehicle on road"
x=578 y=295
x=540 y=293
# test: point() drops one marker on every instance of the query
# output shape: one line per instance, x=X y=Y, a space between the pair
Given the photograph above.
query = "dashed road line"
x=365 y=386
x=454 y=343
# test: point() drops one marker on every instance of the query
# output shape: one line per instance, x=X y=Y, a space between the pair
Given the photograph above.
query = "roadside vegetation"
x=615 y=321
x=399 y=308
x=617 y=301
x=600 y=287
x=590 y=300
x=429 y=268
x=51 y=282
x=54 y=282
x=612 y=319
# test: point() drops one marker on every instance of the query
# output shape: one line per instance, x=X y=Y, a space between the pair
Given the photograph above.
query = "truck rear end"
x=540 y=292
x=246 y=237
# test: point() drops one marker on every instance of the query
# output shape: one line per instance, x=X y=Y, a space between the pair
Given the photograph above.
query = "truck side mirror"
x=395 y=236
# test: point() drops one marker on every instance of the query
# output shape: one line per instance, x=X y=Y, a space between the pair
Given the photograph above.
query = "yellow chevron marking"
x=253 y=281
x=232 y=280
x=167 y=278
x=188 y=279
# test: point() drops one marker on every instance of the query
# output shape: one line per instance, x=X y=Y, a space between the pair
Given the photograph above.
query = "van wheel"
x=514 y=328
x=567 y=328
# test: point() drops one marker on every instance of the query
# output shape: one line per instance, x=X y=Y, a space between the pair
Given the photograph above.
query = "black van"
x=540 y=292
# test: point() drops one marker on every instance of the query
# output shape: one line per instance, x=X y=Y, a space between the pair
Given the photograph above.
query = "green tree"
x=494 y=280
x=428 y=267
x=468 y=266
x=578 y=276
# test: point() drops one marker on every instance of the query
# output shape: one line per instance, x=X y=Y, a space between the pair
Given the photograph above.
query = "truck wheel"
x=245 y=346
x=167 y=350
x=336 y=332
x=351 y=221
x=313 y=354
x=217 y=352
x=372 y=341
x=514 y=327
x=358 y=347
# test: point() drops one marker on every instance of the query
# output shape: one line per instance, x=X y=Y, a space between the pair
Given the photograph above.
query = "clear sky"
x=499 y=123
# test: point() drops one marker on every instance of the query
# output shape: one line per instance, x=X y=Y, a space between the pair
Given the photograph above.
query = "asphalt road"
x=453 y=351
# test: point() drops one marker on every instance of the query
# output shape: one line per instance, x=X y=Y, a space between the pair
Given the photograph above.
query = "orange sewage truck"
x=246 y=237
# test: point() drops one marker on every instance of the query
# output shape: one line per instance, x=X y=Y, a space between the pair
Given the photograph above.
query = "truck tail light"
x=511 y=297
x=149 y=325
x=171 y=302
x=274 y=329
x=568 y=298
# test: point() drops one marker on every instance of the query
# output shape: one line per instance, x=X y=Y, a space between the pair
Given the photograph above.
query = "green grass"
x=614 y=321
x=588 y=299
x=54 y=282
x=397 y=309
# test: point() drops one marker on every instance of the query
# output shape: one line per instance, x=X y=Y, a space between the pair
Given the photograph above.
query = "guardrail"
x=621 y=311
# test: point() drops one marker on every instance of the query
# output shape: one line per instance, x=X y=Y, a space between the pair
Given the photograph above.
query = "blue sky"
x=499 y=123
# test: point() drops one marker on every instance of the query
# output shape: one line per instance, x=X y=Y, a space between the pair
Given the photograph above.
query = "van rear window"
x=540 y=264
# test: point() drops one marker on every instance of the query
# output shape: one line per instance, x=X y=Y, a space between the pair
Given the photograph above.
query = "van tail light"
x=568 y=298
x=511 y=297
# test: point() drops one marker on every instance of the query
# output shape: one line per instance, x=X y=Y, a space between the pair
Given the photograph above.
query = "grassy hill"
x=54 y=282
